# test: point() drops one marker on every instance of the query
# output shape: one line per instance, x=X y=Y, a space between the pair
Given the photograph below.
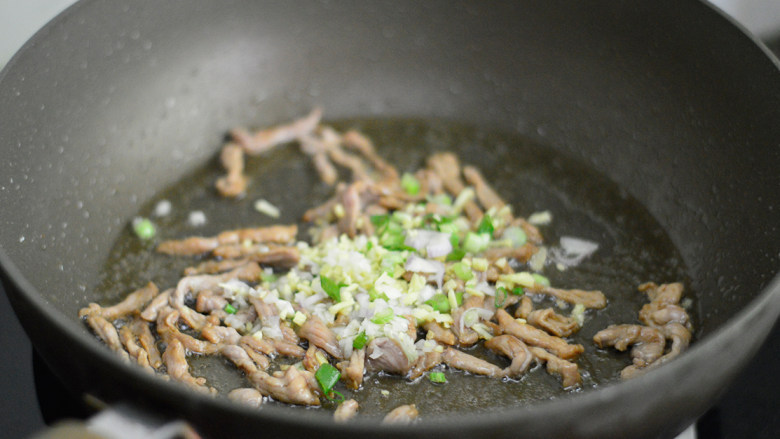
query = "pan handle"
x=119 y=422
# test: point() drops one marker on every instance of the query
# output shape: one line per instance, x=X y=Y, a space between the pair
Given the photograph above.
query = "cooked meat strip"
x=465 y=335
x=424 y=363
x=536 y=337
x=239 y=357
x=166 y=326
x=430 y=183
x=670 y=314
x=327 y=172
x=350 y=201
x=192 y=246
x=386 y=355
x=352 y=371
x=404 y=414
x=292 y=387
x=485 y=193
x=589 y=299
x=220 y=334
x=357 y=141
x=276 y=234
x=145 y=337
x=648 y=343
x=134 y=302
x=324 y=211
x=140 y=356
x=679 y=335
x=160 y=301
x=197 y=245
x=275 y=256
x=260 y=345
x=343 y=158
x=176 y=364
x=192 y=318
x=552 y=322
x=317 y=333
x=214 y=267
x=446 y=166
x=311 y=361
x=247 y=395
x=288 y=349
x=209 y=300
x=234 y=182
x=525 y=308
x=263 y=140
x=194 y=284
x=107 y=332
x=346 y=411
x=664 y=305
x=515 y=350
x=569 y=372
x=463 y=361
x=439 y=333
x=260 y=360
x=521 y=254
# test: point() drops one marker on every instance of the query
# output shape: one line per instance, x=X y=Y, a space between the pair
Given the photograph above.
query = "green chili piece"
x=327 y=376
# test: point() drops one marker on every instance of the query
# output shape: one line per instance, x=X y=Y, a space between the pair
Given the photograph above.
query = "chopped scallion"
x=383 y=317
x=410 y=184
x=327 y=376
x=360 y=340
x=476 y=242
x=485 y=225
x=331 y=288
x=437 y=377
x=230 y=309
x=144 y=228
x=541 y=280
x=462 y=270
x=439 y=302
x=379 y=220
x=518 y=291
x=456 y=255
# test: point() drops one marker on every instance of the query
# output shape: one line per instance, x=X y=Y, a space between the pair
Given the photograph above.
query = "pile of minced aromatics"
x=403 y=271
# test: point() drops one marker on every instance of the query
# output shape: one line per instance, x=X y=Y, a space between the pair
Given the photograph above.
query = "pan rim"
x=769 y=297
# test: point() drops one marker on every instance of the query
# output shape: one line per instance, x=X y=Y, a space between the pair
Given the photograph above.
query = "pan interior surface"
x=667 y=100
x=633 y=249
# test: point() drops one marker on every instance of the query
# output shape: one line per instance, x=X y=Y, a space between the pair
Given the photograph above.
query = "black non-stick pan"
x=668 y=101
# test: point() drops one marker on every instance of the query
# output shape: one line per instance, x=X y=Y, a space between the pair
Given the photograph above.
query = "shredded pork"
x=365 y=295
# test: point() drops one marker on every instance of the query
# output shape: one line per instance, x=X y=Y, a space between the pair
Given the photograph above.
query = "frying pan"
x=111 y=102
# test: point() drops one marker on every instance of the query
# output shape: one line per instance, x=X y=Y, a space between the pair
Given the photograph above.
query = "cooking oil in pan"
x=532 y=177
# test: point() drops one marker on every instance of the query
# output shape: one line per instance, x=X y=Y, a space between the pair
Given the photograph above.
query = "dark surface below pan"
x=660 y=97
